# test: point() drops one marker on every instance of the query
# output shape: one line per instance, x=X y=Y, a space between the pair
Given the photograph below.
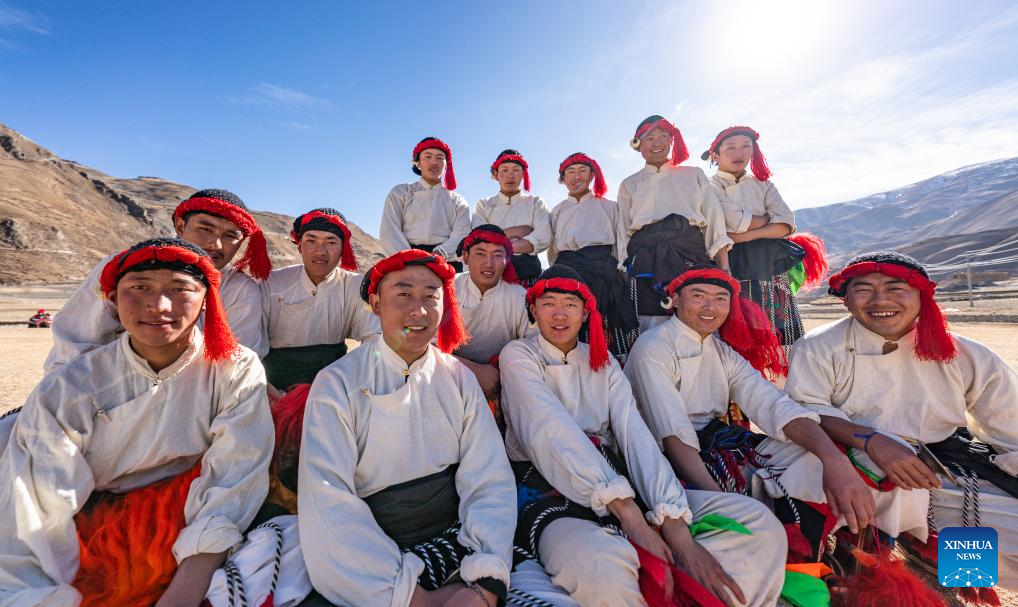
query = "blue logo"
x=967 y=556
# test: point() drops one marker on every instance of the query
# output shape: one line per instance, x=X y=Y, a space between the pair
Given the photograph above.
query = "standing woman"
x=523 y=217
x=761 y=225
x=585 y=238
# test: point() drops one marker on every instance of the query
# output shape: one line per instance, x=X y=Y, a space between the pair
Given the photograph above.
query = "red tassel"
x=600 y=186
x=882 y=582
x=452 y=333
x=686 y=592
x=450 y=174
x=348 y=261
x=815 y=262
x=509 y=274
x=989 y=596
x=256 y=257
x=288 y=418
x=598 y=344
x=526 y=179
x=750 y=333
x=220 y=344
x=975 y=595
x=679 y=151
x=934 y=341
x=799 y=550
x=126 y=543
x=758 y=164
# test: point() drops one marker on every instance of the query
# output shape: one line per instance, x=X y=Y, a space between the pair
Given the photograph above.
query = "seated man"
x=493 y=306
x=315 y=306
x=585 y=459
x=893 y=371
x=685 y=373
x=133 y=469
x=403 y=480
x=427 y=214
x=524 y=217
x=217 y=221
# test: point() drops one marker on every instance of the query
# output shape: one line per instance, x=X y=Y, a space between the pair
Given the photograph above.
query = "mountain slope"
x=58 y=218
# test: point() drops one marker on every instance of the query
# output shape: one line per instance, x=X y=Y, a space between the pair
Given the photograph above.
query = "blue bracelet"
x=866 y=443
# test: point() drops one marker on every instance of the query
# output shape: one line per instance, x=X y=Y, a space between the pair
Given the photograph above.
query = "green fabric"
x=716 y=522
x=803 y=590
x=796 y=277
x=873 y=476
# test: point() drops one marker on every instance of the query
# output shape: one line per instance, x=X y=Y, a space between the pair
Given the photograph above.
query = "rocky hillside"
x=968 y=201
x=58 y=218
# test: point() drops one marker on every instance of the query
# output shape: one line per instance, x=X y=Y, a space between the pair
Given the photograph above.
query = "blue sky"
x=297 y=105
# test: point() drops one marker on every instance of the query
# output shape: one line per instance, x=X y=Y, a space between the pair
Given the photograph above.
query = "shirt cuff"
x=406 y=580
x=828 y=410
x=605 y=493
x=662 y=512
x=532 y=240
x=207 y=535
x=480 y=565
x=719 y=244
x=1008 y=462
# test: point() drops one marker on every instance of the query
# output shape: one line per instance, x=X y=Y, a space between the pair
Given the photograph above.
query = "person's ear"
x=374 y=301
x=178 y=225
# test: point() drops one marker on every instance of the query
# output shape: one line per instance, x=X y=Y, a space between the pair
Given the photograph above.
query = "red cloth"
x=126 y=542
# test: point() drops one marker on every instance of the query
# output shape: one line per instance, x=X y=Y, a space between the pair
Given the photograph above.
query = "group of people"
x=641 y=422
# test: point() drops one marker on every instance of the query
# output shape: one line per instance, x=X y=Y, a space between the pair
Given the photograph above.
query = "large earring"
x=634 y=143
x=667 y=303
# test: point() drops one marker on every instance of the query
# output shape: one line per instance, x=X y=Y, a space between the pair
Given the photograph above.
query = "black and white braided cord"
x=236 y=593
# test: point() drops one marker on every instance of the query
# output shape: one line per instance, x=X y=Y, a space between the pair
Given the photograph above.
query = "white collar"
x=141 y=365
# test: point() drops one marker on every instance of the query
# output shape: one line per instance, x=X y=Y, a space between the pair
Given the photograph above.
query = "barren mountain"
x=969 y=200
x=58 y=218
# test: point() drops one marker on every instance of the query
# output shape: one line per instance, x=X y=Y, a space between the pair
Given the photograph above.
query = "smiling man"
x=669 y=216
x=428 y=214
x=403 y=478
x=217 y=221
x=493 y=305
x=315 y=306
x=135 y=468
x=892 y=371
x=523 y=217
x=585 y=460
x=685 y=372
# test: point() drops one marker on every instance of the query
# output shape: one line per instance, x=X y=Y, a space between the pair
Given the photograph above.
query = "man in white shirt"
x=406 y=496
x=670 y=216
x=132 y=470
x=427 y=214
x=315 y=306
x=217 y=221
x=891 y=373
x=523 y=217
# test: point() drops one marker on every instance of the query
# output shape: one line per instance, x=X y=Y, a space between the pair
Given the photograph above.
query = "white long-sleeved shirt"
x=302 y=313
x=107 y=422
x=553 y=401
x=421 y=214
x=922 y=400
x=493 y=319
x=747 y=196
x=586 y=222
x=520 y=210
x=88 y=320
x=652 y=193
x=373 y=422
x=682 y=382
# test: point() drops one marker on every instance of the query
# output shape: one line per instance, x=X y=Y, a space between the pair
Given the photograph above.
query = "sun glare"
x=764 y=39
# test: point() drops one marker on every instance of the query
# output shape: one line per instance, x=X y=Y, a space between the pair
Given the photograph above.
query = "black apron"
x=430 y=248
x=285 y=367
x=658 y=252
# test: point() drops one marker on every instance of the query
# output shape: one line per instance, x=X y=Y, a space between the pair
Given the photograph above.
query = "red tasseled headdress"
x=758 y=164
x=679 y=150
x=477 y=235
x=220 y=343
x=747 y=329
x=600 y=185
x=256 y=257
x=515 y=158
x=347 y=260
x=815 y=262
x=451 y=332
x=449 y=179
x=933 y=339
x=598 y=344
